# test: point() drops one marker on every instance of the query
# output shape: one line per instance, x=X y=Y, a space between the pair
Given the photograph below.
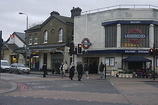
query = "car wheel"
x=17 y=71
x=10 y=71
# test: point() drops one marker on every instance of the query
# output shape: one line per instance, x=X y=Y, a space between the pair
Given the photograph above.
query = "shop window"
x=110 y=61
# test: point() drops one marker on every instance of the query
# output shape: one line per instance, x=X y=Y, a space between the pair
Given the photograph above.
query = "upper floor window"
x=45 y=36
x=30 y=39
x=60 y=37
x=36 y=39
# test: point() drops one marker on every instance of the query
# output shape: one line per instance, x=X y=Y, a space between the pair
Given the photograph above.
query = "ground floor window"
x=34 y=62
x=56 y=60
x=110 y=61
x=156 y=62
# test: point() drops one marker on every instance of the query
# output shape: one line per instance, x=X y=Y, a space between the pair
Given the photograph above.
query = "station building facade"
x=116 y=35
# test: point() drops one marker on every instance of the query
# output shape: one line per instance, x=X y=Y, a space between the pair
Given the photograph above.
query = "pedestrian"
x=72 y=70
x=101 y=69
x=65 y=68
x=86 y=71
x=61 y=70
x=79 y=70
x=44 y=68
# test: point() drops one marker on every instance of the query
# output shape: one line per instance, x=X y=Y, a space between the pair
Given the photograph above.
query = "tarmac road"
x=35 y=90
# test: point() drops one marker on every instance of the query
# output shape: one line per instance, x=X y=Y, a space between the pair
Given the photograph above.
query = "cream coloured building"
x=116 y=35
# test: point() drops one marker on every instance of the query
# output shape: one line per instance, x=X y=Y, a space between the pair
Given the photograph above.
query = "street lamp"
x=27 y=23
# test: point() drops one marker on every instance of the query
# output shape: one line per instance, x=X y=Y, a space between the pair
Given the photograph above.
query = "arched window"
x=45 y=36
x=60 y=37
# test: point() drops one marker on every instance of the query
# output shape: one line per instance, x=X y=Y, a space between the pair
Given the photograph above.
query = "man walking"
x=79 y=70
x=101 y=69
x=44 y=68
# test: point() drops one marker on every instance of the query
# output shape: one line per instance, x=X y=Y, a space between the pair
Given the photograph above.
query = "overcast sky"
x=39 y=10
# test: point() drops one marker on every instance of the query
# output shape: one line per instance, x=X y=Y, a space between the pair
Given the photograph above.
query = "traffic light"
x=151 y=51
x=79 y=49
x=156 y=51
x=71 y=48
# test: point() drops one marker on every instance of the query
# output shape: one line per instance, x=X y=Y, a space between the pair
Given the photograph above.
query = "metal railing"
x=119 y=6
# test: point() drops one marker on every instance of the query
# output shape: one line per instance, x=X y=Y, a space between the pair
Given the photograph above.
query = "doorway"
x=93 y=64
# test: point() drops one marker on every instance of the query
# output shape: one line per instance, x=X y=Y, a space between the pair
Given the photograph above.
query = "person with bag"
x=72 y=70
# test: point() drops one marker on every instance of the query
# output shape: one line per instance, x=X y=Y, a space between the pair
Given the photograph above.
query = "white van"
x=5 y=66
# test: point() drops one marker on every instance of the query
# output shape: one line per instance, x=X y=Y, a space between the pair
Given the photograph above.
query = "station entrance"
x=93 y=63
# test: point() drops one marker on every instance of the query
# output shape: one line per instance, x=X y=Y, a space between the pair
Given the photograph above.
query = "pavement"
x=8 y=86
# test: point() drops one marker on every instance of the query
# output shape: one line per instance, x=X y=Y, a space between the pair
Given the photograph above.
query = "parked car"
x=19 y=68
x=4 y=66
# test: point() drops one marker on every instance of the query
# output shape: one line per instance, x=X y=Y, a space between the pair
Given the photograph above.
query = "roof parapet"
x=119 y=6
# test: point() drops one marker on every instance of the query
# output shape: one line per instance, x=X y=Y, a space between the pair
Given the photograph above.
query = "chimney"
x=54 y=13
x=75 y=12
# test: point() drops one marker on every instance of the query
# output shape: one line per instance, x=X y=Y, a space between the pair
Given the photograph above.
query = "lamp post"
x=27 y=23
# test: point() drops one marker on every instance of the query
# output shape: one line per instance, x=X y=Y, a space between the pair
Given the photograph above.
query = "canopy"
x=136 y=59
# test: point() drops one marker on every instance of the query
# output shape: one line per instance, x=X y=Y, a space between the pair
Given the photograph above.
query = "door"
x=93 y=64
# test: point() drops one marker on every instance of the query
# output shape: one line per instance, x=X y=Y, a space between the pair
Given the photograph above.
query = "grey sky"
x=39 y=10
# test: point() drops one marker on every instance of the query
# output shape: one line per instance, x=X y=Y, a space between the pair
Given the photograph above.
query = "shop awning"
x=136 y=59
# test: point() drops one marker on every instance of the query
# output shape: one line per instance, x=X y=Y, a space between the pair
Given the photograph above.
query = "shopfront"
x=56 y=60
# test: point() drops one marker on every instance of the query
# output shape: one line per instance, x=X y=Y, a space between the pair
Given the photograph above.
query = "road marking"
x=112 y=84
x=22 y=86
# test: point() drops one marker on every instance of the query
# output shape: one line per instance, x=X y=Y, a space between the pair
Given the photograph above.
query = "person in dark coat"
x=79 y=70
x=44 y=68
x=72 y=69
x=101 y=69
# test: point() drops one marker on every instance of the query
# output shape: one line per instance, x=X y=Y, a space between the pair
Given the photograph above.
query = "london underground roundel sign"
x=86 y=43
x=135 y=35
